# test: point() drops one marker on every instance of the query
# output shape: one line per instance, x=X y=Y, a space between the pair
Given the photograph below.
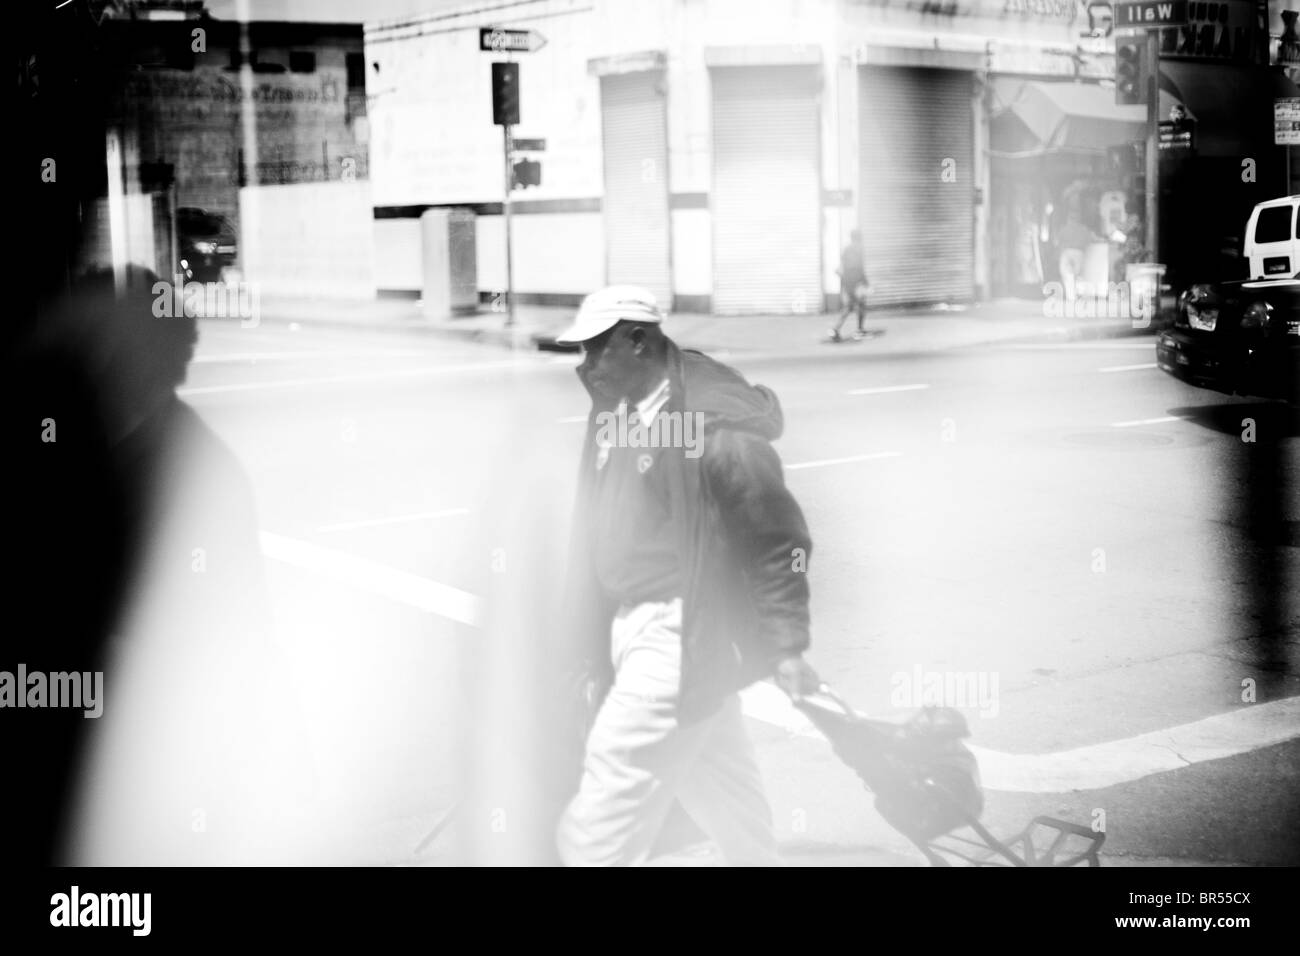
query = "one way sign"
x=493 y=40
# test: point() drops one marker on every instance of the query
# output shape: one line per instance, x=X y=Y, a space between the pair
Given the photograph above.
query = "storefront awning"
x=1034 y=117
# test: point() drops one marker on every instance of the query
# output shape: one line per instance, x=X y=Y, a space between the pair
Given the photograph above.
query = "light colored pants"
x=638 y=759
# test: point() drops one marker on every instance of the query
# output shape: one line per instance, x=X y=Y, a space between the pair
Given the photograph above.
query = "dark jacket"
x=742 y=539
x=852 y=270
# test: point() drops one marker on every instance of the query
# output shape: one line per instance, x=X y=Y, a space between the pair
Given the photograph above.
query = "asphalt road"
x=1086 y=548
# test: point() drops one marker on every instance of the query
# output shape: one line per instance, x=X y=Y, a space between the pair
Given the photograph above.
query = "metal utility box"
x=449 y=262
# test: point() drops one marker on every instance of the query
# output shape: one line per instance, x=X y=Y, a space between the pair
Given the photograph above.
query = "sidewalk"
x=905 y=331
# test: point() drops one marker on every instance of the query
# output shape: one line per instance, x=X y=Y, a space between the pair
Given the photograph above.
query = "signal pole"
x=505 y=113
x=1150 y=17
x=510 y=182
x=1153 y=147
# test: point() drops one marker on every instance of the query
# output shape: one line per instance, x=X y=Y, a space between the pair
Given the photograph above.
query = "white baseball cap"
x=605 y=309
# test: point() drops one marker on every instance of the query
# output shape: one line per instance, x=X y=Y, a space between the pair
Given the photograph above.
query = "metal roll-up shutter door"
x=636 y=183
x=766 y=201
x=917 y=229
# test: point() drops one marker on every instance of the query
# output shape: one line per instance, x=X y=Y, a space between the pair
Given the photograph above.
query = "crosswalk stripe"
x=1095 y=766
x=1092 y=767
x=375 y=578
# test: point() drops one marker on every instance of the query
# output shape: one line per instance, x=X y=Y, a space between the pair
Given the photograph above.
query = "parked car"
x=206 y=242
x=1242 y=337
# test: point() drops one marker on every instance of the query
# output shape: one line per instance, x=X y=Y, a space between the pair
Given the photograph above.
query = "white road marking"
x=263 y=335
x=1127 y=368
x=395 y=519
x=235 y=357
x=1148 y=421
x=1095 y=767
x=886 y=388
x=844 y=461
x=375 y=578
x=359 y=377
x=1075 y=346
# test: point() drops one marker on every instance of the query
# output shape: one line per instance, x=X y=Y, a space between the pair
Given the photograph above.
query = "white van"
x=1272 y=246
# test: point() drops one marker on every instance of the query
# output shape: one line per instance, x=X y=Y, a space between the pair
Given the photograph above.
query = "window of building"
x=167 y=54
x=356 y=66
x=302 y=61
x=270 y=60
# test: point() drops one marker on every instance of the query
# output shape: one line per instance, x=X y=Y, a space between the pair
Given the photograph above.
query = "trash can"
x=1145 y=286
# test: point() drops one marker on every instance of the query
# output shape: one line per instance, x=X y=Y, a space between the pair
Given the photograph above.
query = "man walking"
x=853 y=285
x=688 y=583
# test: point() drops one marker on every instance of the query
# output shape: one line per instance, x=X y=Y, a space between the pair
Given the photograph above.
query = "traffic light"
x=505 y=94
x=1130 y=71
x=528 y=172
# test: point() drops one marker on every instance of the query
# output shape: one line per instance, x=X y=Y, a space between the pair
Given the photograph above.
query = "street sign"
x=1177 y=135
x=529 y=145
x=1286 y=121
x=492 y=40
x=1150 y=13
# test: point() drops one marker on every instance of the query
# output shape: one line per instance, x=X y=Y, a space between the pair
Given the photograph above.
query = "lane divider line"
x=844 y=461
x=885 y=389
x=187 y=391
x=220 y=358
x=1090 y=346
x=1148 y=421
x=395 y=519
x=375 y=578
x=1127 y=368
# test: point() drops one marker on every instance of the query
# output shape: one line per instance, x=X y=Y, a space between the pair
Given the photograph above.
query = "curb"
x=536 y=339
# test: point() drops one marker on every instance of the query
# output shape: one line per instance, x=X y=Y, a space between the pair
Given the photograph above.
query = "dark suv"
x=206 y=243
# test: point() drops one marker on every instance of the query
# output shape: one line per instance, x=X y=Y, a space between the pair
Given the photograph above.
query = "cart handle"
x=825 y=690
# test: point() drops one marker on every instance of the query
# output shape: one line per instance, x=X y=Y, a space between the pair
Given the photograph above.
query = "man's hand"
x=796 y=677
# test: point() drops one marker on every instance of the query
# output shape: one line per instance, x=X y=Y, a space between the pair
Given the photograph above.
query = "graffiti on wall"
x=175 y=96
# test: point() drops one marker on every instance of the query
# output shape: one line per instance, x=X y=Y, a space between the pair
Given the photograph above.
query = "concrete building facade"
x=720 y=151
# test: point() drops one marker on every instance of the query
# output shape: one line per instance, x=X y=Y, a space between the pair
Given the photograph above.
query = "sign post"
x=1150 y=16
x=1286 y=130
x=505 y=113
x=505 y=208
x=1153 y=150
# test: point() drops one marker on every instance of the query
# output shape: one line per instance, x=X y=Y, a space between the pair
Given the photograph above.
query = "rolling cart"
x=927 y=786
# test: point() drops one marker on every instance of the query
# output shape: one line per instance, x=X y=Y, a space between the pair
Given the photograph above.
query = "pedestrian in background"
x=1073 y=244
x=854 y=285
